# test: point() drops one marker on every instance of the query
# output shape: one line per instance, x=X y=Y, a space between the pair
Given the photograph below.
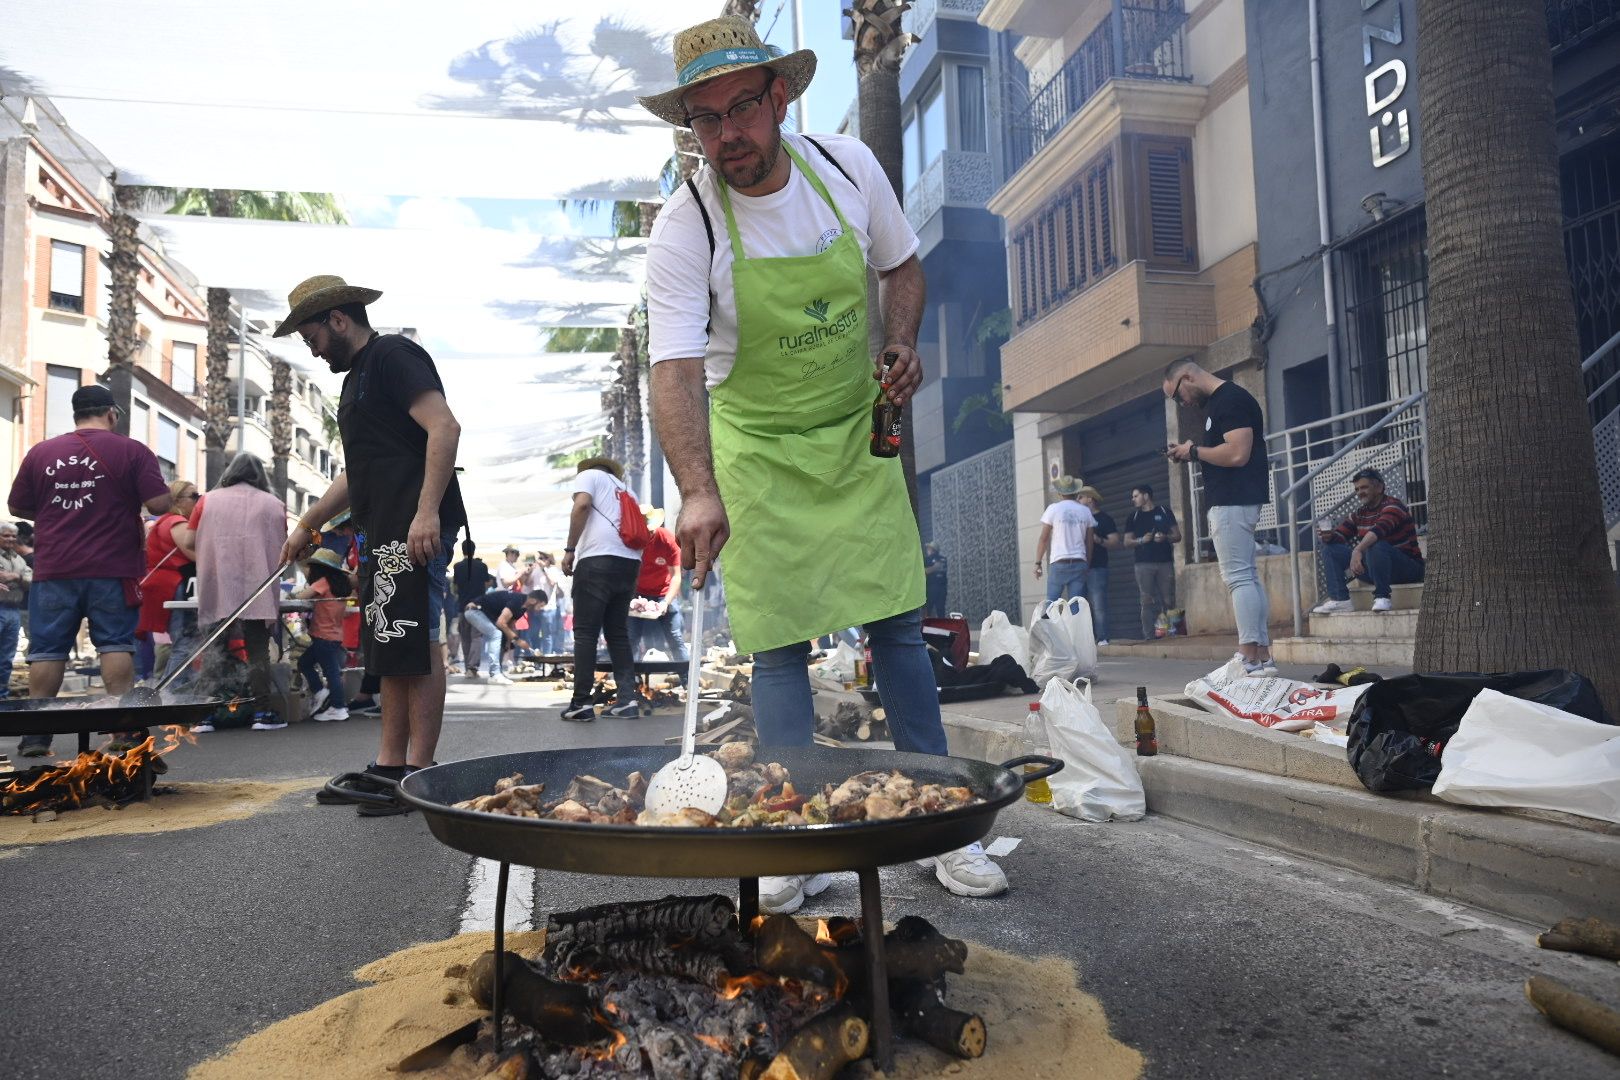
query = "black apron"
x=385 y=455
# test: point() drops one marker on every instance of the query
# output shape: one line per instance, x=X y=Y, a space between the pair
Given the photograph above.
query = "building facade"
x=1130 y=235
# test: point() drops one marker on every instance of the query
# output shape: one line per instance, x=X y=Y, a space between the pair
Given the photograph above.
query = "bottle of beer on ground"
x=1147 y=740
x=1036 y=791
x=886 y=417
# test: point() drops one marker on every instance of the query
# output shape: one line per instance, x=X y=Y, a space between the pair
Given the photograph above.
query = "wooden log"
x=782 y=947
x=561 y=1012
x=920 y=1012
x=710 y=964
x=704 y=918
x=913 y=950
x=1575 y=1012
x=1592 y=936
x=821 y=1048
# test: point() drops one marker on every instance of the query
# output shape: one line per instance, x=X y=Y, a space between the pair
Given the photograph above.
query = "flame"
x=603 y=1053
x=732 y=988
x=757 y=922
x=824 y=933
x=68 y=786
x=714 y=1042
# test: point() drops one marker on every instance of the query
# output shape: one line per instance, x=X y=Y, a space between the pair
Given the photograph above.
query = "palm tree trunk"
x=122 y=340
x=1518 y=573
x=281 y=433
x=217 y=384
x=879 y=46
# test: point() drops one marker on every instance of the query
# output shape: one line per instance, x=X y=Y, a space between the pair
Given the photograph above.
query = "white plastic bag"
x=999 y=637
x=1099 y=781
x=839 y=667
x=1061 y=645
x=1512 y=752
x=1278 y=703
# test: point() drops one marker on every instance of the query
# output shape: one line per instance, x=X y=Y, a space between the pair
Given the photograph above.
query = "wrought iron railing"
x=1142 y=40
x=1571 y=22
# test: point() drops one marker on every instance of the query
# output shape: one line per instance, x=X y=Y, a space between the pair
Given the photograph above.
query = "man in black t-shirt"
x=469 y=579
x=399 y=446
x=1151 y=532
x=494 y=615
x=1104 y=535
x=1236 y=485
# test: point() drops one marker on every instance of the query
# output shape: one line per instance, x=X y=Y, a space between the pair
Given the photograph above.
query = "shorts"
x=57 y=606
x=439 y=586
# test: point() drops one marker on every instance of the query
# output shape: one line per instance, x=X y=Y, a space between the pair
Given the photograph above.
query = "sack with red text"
x=1281 y=704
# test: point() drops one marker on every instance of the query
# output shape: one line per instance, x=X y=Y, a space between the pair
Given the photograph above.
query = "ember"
x=93 y=779
x=672 y=988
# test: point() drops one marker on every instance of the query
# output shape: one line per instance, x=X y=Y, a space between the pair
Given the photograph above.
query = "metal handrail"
x=1600 y=352
x=1316 y=470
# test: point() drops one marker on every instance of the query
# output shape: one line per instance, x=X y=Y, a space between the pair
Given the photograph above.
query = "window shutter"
x=1167 y=235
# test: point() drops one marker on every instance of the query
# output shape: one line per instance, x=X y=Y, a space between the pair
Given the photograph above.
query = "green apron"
x=822 y=534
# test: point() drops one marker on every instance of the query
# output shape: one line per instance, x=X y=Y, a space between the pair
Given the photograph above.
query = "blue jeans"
x=322 y=665
x=1097 y=597
x=784 y=715
x=1386 y=565
x=551 y=629
x=10 y=627
x=671 y=627
x=1232 y=529
x=56 y=607
x=489 y=642
x=1065 y=579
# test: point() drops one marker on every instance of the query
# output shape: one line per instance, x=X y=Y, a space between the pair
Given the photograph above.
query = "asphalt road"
x=144 y=955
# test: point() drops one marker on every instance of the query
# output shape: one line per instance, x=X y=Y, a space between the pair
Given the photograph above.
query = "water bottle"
x=1036 y=791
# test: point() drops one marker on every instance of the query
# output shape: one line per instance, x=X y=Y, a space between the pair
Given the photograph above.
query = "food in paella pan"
x=758 y=795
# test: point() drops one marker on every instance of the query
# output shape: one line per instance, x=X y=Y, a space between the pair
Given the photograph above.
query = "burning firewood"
x=652 y=956
x=912 y=950
x=561 y=1012
x=821 y=1048
x=706 y=918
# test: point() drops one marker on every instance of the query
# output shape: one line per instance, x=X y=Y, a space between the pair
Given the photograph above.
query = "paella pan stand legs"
x=747 y=902
x=877 y=969
x=500 y=952
x=84 y=742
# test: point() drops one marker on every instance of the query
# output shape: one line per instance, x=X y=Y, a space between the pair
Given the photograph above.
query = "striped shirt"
x=1388 y=519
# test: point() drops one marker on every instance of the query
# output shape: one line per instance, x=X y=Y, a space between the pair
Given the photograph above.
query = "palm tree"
x=879 y=46
x=306 y=206
x=1509 y=436
x=281 y=432
x=125 y=264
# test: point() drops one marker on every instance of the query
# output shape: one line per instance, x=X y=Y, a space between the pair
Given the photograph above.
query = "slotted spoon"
x=693 y=779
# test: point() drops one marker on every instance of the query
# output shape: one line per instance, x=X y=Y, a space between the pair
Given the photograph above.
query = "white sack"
x=999 y=637
x=1512 y=752
x=1273 y=702
x=1099 y=780
x=839 y=667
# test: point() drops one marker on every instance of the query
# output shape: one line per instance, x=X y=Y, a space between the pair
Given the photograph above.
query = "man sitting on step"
x=1377 y=543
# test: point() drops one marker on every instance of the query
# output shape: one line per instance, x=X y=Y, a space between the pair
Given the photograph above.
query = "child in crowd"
x=322 y=663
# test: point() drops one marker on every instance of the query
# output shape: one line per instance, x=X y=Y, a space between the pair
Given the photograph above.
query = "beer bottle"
x=1036 y=791
x=1147 y=740
x=886 y=416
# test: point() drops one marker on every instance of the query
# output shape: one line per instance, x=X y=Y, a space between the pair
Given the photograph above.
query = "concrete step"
x=1365 y=624
x=1347 y=652
x=1405 y=597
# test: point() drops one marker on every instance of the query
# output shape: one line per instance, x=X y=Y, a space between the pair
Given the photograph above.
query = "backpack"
x=633 y=531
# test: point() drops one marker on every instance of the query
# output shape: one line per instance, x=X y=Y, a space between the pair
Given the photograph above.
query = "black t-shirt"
x=470 y=578
x=1105 y=528
x=1145 y=523
x=492 y=604
x=385 y=450
x=1231 y=408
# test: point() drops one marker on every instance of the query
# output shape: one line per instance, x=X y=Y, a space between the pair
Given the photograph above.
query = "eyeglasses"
x=746 y=113
x=1176 y=389
x=320 y=320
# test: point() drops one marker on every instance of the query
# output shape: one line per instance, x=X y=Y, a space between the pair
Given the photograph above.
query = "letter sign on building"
x=1391 y=131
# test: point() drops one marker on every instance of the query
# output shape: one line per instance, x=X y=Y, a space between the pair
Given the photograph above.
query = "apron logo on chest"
x=393 y=558
x=821 y=332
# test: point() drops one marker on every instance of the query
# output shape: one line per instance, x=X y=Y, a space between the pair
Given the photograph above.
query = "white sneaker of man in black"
x=966 y=871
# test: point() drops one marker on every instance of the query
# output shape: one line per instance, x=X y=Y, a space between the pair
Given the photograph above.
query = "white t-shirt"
x=793 y=221
x=601 y=535
x=1069 y=520
x=506 y=575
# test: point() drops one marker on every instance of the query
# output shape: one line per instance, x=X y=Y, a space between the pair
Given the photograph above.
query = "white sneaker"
x=1335 y=607
x=1383 y=603
x=500 y=679
x=203 y=728
x=1262 y=669
x=318 y=702
x=1104 y=641
x=785 y=895
x=970 y=872
x=473 y=675
x=336 y=712
x=269 y=725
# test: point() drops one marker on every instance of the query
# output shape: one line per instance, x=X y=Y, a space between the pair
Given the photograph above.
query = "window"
x=67 y=276
x=1166 y=235
x=1384 y=287
x=194 y=456
x=185 y=368
x=970 y=108
x=1066 y=245
x=168 y=446
x=932 y=110
x=910 y=152
x=60 y=382
x=140 y=422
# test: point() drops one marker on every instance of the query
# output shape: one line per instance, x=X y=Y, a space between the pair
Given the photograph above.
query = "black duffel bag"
x=1400 y=726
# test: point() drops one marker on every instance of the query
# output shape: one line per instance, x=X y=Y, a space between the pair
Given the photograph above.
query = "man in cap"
x=84 y=492
x=399 y=443
x=508 y=574
x=756 y=282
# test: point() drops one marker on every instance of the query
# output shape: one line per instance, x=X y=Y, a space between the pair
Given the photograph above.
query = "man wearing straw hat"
x=399 y=444
x=756 y=283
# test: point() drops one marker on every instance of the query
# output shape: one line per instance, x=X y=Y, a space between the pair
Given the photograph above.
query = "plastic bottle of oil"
x=1036 y=791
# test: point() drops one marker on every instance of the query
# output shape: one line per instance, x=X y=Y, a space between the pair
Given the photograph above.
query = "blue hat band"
x=696 y=69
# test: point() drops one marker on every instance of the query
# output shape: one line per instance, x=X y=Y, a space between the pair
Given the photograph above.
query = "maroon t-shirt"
x=84 y=492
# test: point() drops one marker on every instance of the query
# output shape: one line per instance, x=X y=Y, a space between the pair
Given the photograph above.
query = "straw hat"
x=1089 y=492
x=719 y=47
x=1067 y=485
x=653 y=514
x=317 y=295
x=327 y=557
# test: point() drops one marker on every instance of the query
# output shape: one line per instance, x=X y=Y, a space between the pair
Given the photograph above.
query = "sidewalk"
x=1296 y=795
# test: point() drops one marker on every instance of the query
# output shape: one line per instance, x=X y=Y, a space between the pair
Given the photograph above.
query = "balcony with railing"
x=954 y=178
x=1573 y=22
x=1143 y=40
